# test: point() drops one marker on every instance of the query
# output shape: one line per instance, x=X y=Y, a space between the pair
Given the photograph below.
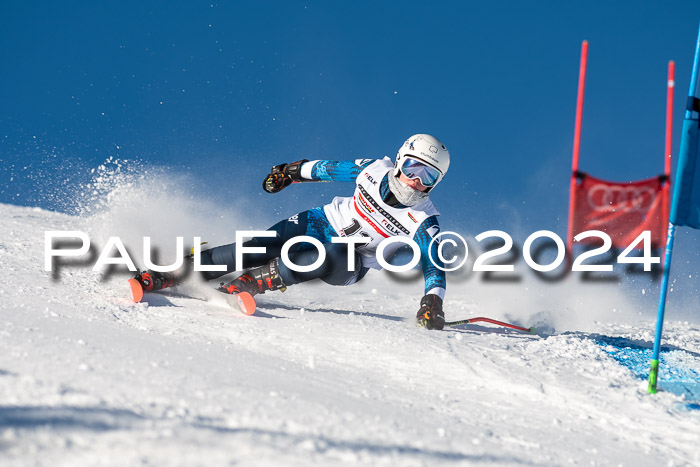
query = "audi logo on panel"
x=603 y=197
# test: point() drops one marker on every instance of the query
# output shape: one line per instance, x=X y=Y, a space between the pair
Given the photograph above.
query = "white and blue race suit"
x=372 y=212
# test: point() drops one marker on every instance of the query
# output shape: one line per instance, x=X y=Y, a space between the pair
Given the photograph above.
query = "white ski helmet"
x=426 y=149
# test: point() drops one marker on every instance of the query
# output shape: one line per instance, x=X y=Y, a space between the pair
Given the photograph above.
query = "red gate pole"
x=669 y=117
x=577 y=145
x=668 y=147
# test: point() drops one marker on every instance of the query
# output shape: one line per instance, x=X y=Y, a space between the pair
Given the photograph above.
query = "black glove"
x=283 y=175
x=430 y=314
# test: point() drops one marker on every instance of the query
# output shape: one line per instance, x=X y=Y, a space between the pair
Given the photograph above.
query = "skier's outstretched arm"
x=283 y=175
x=430 y=313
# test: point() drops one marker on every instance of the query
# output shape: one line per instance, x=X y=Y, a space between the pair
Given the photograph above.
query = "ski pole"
x=530 y=330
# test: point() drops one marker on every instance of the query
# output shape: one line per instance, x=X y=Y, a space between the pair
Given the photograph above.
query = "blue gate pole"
x=682 y=155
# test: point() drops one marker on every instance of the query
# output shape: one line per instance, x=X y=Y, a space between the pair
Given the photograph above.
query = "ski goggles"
x=413 y=168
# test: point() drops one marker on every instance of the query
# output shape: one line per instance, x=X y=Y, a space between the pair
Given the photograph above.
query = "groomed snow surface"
x=324 y=375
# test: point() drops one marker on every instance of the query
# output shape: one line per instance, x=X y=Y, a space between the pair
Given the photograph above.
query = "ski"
x=530 y=330
x=243 y=301
x=136 y=290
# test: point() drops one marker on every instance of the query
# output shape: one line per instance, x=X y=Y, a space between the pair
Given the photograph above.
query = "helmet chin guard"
x=427 y=149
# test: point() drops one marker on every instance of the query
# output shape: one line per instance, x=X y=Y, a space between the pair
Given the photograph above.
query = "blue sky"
x=223 y=91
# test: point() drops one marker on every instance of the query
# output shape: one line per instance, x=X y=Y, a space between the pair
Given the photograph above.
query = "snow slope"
x=322 y=375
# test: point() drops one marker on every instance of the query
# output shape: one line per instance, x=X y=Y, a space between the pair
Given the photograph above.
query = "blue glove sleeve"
x=434 y=277
x=338 y=171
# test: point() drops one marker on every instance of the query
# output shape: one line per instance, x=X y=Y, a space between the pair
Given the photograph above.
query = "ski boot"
x=152 y=280
x=256 y=281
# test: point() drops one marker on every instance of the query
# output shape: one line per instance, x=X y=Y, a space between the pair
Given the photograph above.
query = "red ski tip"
x=246 y=303
x=136 y=290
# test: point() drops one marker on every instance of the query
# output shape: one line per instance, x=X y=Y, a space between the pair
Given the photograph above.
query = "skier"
x=391 y=199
